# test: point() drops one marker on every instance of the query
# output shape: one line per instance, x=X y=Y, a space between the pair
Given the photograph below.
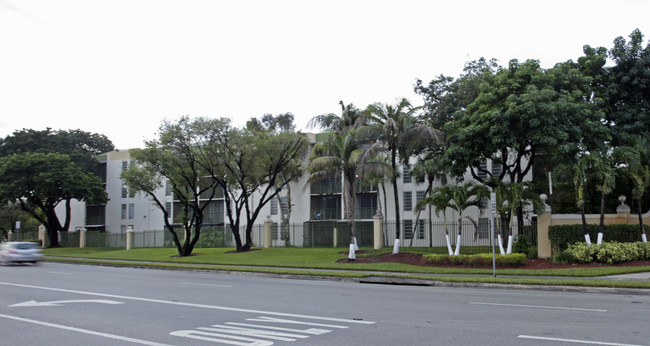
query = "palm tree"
x=440 y=200
x=397 y=129
x=340 y=155
x=429 y=169
x=460 y=197
x=638 y=170
x=512 y=197
x=581 y=171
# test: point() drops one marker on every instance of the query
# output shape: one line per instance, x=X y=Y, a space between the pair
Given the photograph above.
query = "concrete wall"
x=544 y=221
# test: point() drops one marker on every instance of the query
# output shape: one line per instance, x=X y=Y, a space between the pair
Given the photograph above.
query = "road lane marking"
x=61 y=273
x=575 y=341
x=84 y=331
x=205 y=306
x=539 y=307
x=61 y=302
x=246 y=334
x=210 y=285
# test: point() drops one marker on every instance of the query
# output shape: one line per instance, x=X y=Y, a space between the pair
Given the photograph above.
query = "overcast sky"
x=119 y=67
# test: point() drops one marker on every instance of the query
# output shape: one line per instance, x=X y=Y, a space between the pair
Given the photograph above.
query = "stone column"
x=129 y=238
x=543 y=222
x=46 y=237
x=82 y=237
x=267 y=232
x=335 y=234
x=378 y=233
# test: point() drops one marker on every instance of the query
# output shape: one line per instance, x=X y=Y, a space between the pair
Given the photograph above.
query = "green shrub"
x=479 y=260
x=608 y=252
x=563 y=257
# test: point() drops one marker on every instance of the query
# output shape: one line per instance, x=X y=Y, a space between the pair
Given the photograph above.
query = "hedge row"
x=610 y=252
x=562 y=236
x=479 y=260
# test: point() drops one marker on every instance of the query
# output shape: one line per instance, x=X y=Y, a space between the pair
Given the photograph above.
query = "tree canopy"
x=40 y=182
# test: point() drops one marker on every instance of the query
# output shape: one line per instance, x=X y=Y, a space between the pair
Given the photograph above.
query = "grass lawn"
x=282 y=260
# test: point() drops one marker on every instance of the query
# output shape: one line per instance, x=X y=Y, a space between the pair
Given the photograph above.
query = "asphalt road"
x=55 y=304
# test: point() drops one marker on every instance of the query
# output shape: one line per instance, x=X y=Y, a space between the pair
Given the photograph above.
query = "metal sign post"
x=493 y=211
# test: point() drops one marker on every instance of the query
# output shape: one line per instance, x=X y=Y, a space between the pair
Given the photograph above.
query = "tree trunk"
x=601 y=225
x=640 y=212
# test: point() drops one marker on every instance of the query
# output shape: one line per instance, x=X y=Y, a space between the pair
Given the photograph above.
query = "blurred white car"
x=20 y=252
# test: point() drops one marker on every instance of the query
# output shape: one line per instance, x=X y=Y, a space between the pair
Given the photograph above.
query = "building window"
x=168 y=209
x=274 y=231
x=496 y=169
x=123 y=228
x=484 y=228
x=406 y=174
x=408 y=229
x=421 y=229
x=168 y=188
x=123 y=212
x=482 y=170
x=408 y=200
x=125 y=165
x=419 y=195
x=131 y=211
x=125 y=192
x=285 y=205
x=274 y=206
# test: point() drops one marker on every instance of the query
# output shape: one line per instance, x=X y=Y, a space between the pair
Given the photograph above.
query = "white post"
x=82 y=237
x=129 y=238
x=267 y=232
x=378 y=241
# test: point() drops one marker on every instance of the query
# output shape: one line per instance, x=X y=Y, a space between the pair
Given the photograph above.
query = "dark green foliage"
x=480 y=260
x=562 y=236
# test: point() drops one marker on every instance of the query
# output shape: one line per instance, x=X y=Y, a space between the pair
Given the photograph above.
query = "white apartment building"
x=316 y=205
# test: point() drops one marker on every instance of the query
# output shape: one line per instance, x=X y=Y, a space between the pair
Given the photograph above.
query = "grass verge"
x=323 y=262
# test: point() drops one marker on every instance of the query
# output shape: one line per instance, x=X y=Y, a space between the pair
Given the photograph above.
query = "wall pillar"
x=267 y=232
x=543 y=222
x=129 y=238
x=82 y=237
x=378 y=241
x=335 y=236
x=46 y=238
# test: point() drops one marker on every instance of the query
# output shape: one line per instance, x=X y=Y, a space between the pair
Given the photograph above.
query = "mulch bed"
x=416 y=259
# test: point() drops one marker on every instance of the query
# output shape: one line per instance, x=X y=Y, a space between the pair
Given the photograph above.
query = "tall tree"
x=398 y=132
x=628 y=89
x=40 y=182
x=444 y=96
x=177 y=158
x=250 y=162
x=340 y=155
x=79 y=146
